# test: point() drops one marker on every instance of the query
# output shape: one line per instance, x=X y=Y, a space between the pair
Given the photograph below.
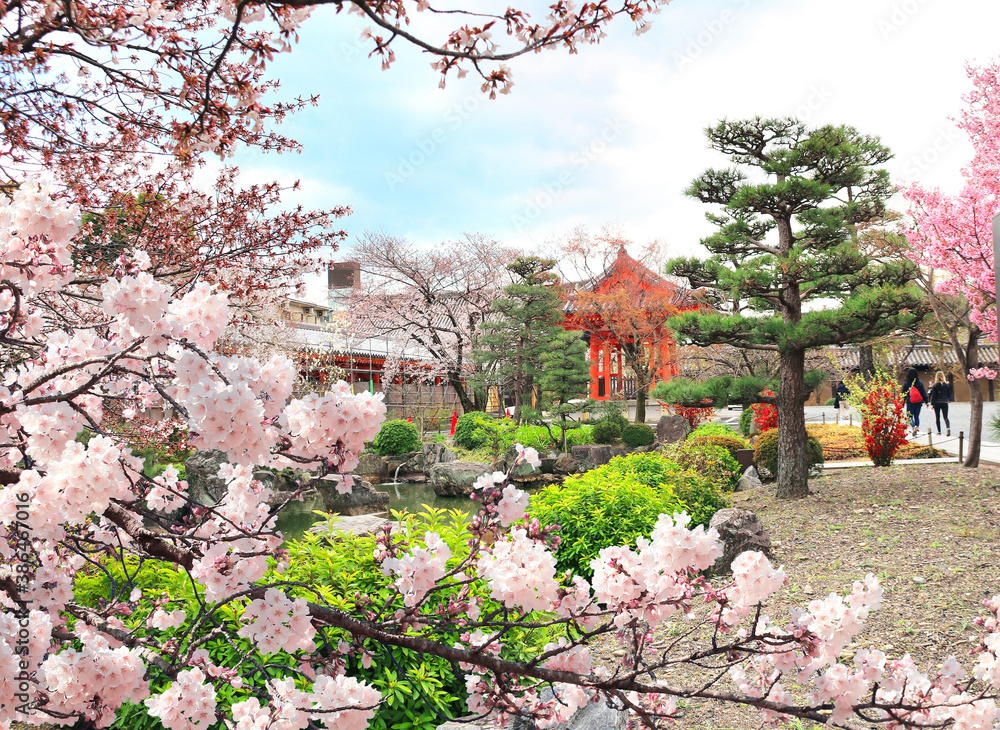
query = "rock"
x=357 y=525
x=523 y=472
x=549 y=465
x=592 y=456
x=739 y=530
x=671 y=429
x=595 y=716
x=643 y=449
x=919 y=580
x=372 y=468
x=204 y=484
x=285 y=480
x=564 y=464
x=436 y=454
x=362 y=499
x=749 y=480
x=404 y=463
x=456 y=479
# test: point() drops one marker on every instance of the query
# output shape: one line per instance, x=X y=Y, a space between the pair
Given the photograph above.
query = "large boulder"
x=565 y=465
x=410 y=463
x=357 y=525
x=204 y=484
x=437 y=454
x=749 y=480
x=523 y=472
x=456 y=478
x=592 y=456
x=739 y=530
x=671 y=429
x=372 y=467
x=363 y=499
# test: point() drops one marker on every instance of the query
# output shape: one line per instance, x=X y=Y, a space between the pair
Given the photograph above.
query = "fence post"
x=961 y=442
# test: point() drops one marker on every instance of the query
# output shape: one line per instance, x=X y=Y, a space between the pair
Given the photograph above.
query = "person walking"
x=915 y=395
x=840 y=401
x=940 y=396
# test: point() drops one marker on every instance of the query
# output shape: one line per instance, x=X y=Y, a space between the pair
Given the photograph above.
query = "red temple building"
x=626 y=302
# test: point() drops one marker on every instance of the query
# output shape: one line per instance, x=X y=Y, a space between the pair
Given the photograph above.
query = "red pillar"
x=594 y=364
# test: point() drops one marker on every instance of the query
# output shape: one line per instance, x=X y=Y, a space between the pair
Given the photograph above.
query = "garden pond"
x=297 y=518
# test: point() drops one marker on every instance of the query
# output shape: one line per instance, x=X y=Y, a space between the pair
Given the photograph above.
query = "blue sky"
x=614 y=134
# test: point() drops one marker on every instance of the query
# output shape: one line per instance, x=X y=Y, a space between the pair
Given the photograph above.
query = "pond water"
x=412 y=498
x=297 y=517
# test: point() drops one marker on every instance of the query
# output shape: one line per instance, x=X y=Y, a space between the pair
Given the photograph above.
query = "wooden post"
x=961 y=442
x=824 y=418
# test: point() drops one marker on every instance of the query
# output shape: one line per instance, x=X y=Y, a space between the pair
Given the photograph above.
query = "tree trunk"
x=640 y=404
x=793 y=468
x=971 y=360
x=975 y=424
x=467 y=403
x=866 y=362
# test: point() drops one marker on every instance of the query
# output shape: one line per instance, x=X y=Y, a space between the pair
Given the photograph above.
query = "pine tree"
x=564 y=377
x=524 y=323
x=783 y=264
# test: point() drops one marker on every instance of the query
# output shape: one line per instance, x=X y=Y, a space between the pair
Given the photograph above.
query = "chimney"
x=344 y=275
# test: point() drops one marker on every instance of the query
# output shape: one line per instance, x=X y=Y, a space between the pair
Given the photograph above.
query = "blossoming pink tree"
x=105 y=79
x=67 y=508
x=429 y=303
x=951 y=238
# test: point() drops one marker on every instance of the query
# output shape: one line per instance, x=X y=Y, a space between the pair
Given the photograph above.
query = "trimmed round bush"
x=638 y=434
x=606 y=432
x=713 y=462
x=765 y=454
x=466 y=427
x=608 y=428
x=732 y=443
x=396 y=437
x=831 y=401
x=746 y=420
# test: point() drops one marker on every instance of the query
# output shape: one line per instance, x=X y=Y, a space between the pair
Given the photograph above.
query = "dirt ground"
x=928 y=532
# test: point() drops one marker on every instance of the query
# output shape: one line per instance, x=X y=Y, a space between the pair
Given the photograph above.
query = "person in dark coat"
x=913 y=405
x=940 y=396
x=840 y=400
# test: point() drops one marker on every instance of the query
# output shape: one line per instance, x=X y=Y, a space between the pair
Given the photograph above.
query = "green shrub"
x=536 y=437
x=701 y=495
x=711 y=429
x=606 y=433
x=616 y=503
x=417 y=689
x=467 y=427
x=396 y=437
x=830 y=401
x=713 y=462
x=580 y=436
x=765 y=455
x=638 y=434
x=732 y=443
x=746 y=420
x=608 y=428
x=595 y=511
